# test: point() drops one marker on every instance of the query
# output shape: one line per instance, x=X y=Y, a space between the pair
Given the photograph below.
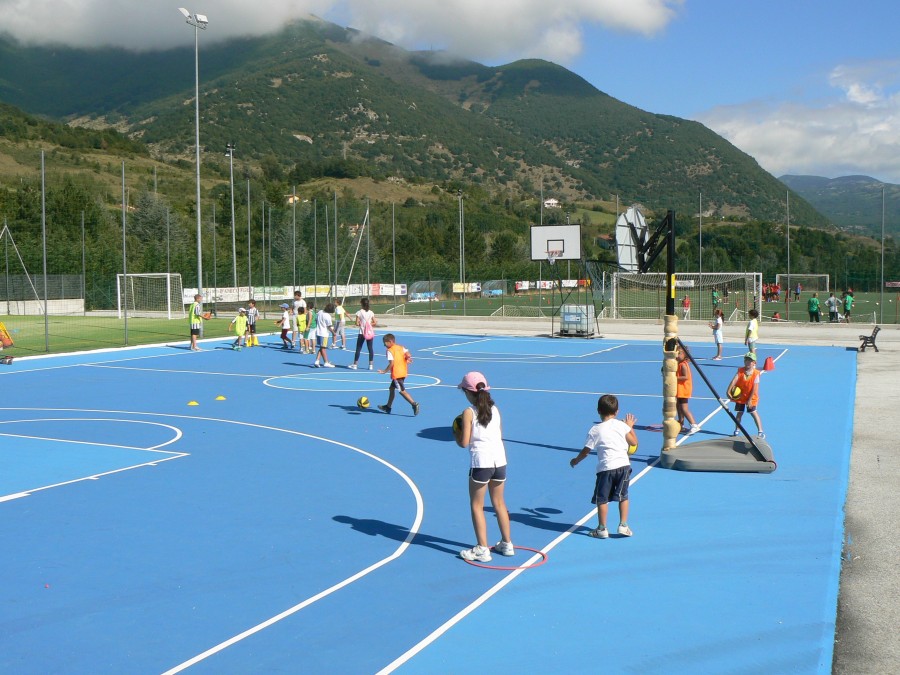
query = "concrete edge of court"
x=868 y=621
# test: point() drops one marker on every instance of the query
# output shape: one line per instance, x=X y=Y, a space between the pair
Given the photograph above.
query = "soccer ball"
x=735 y=393
x=362 y=402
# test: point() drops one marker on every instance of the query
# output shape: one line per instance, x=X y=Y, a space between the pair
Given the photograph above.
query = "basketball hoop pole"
x=647 y=254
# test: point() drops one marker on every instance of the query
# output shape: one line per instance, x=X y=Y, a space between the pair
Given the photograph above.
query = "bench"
x=869 y=340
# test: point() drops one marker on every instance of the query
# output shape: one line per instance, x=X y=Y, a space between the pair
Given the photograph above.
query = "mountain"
x=851 y=202
x=317 y=99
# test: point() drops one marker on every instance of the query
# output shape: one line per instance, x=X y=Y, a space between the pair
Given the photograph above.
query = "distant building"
x=551 y=203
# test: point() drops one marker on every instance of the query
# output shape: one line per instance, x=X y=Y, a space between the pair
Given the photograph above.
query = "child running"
x=399 y=359
x=684 y=389
x=610 y=438
x=747 y=380
x=239 y=323
x=481 y=432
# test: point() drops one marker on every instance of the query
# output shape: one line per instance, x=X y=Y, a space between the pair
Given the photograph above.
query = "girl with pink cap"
x=479 y=430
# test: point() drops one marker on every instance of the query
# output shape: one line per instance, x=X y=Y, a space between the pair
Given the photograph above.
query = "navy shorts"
x=252 y=328
x=195 y=331
x=487 y=474
x=399 y=384
x=612 y=485
x=740 y=407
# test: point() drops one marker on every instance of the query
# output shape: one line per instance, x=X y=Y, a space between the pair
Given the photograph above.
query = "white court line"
x=413 y=530
x=496 y=588
x=454 y=344
x=154 y=448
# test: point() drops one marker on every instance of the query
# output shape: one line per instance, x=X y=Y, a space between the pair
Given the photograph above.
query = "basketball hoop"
x=552 y=256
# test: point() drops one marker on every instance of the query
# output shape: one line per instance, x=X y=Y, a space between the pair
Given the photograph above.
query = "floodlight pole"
x=229 y=151
x=199 y=22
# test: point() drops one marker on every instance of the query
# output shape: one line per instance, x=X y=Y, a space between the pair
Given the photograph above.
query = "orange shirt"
x=745 y=382
x=398 y=355
x=685 y=388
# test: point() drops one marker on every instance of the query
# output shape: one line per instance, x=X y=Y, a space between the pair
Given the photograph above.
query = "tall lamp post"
x=199 y=22
x=229 y=152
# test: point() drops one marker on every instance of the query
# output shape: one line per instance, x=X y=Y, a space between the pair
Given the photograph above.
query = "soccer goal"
x=152 y=295
x=643 y=296
x=814 y=283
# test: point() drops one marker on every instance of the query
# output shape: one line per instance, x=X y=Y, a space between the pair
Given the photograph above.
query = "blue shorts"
x=740 y=407
x=612 y=485
x=487 y=474
x=321 y=342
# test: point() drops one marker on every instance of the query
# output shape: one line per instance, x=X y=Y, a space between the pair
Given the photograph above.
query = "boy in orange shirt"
x=399 y=359
x=747 y=380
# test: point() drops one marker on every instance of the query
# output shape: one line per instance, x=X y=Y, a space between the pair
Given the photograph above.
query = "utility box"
x=577 y=320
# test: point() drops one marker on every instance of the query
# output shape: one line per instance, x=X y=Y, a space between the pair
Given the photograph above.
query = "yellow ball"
x=362 y=402
x=457 y=424
x=632 y=449
x=735 y=393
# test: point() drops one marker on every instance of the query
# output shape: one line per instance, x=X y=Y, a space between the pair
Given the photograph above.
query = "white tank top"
x=486 y=444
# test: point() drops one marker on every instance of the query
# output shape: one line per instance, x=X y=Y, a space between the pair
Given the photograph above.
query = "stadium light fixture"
x=199 y=22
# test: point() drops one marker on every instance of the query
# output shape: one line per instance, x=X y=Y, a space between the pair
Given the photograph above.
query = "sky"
x=804 y=86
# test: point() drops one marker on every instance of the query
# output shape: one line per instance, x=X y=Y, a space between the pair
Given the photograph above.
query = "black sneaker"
x=384 y=409
x=415 y=409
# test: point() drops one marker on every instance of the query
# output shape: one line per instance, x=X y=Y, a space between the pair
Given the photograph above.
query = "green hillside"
x=851 y=202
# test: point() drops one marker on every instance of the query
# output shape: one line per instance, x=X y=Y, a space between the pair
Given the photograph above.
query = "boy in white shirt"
x=324 y=328
x=611 y=439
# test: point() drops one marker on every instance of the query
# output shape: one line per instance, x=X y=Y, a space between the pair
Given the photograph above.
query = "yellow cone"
x=193 y=403
x=220 y=398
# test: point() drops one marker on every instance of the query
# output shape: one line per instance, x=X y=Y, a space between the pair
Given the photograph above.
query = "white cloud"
x=476 y=29
x=144 y=24
x=857 y=131
x=491 y=30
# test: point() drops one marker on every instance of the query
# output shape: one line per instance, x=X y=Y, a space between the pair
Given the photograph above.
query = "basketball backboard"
x=564 y=241
x=629 y=224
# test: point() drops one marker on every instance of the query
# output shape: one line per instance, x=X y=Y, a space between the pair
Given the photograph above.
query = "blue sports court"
x=233 y=512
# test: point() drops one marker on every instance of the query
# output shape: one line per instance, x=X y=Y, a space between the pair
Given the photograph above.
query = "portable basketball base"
x=731 y=454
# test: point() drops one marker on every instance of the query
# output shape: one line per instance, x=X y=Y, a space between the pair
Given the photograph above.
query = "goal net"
x=814 y=283
x=643 y=296
x=151 y=295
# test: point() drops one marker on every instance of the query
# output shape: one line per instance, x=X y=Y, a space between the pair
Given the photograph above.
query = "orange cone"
x=769 y=364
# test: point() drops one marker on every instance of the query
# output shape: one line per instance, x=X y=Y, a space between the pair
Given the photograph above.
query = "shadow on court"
x=379 y=528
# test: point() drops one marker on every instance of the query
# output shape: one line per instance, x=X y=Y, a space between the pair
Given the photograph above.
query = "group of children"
x=478 y=428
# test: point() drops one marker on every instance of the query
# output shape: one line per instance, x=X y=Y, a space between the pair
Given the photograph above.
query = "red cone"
x=769 y=364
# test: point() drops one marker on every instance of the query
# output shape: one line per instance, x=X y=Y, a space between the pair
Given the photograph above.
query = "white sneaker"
x=476 y=554
x=316 y=364
x=599 y=533
x=352 y=366
x=328 y=364
x=504 y=548
x=693 y=430
x=625 y=531
x=371 y=367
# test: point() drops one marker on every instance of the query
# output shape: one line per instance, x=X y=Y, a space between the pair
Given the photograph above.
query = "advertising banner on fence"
x=467 y=288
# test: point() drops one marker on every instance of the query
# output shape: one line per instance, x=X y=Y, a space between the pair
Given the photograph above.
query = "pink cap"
x=471 y=381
